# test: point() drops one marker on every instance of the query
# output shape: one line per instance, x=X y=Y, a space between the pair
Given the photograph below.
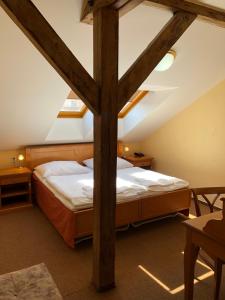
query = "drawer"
x=13 y=180
x=142 y=164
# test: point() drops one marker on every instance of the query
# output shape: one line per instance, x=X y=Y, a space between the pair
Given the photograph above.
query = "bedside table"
x=15 y=189
x=142 y=162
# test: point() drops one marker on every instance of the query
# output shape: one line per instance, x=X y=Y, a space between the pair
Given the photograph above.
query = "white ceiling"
x=218 y=3
x=31 y=92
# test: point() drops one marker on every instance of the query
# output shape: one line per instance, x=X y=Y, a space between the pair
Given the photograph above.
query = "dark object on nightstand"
x=15 y=189
x=138 y=154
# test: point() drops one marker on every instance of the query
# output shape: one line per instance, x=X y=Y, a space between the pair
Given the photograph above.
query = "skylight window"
x=137 y=97
x=74 y=107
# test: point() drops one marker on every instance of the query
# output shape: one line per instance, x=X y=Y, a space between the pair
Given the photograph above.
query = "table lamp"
x=125 y=150
x=20 y=159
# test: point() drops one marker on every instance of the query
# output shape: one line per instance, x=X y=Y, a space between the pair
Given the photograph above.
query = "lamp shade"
x=166 y=62
x=20 y=157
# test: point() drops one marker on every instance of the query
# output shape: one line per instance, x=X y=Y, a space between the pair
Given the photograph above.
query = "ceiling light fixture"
x=166 y=62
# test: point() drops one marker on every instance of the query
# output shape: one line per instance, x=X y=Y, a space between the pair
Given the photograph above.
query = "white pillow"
x=57 y=168
x=121 y=163
x=89 y=163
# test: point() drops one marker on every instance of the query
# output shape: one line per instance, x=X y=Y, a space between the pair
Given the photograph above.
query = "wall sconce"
x=20 y=159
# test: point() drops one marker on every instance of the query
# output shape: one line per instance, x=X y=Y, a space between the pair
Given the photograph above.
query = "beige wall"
x=192 y=144
x=133 y=147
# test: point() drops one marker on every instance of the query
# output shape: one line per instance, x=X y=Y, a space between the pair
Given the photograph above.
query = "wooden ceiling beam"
x=124 y=6
x=72 y=95
x=117 y=4
x=209 y=12
x=96 y=4
x=52 y=47
x=152 y=55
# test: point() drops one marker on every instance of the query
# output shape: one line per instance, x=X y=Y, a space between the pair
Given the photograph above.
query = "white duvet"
x=155 y=181
x=78 y=189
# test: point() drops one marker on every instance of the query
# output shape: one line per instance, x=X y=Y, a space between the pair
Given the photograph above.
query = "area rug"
x=33 y=283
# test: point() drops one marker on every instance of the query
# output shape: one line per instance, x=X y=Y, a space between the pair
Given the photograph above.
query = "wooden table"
x=15 y=189
x=142 y=162
x=196 y=238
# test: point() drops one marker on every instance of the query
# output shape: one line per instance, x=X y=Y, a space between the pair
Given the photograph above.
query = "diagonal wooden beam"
x=152 y=55
x=46 y=40
x=96 y=4
x=127 y=6
x=203 y=10
x=124 y=6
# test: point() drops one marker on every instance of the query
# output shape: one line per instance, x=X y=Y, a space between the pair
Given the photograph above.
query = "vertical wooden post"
x=105 y=146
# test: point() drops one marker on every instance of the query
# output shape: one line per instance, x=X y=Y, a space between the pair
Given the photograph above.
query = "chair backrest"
x=203 y=192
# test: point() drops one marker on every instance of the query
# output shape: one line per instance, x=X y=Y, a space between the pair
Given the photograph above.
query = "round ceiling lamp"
x=166 y=62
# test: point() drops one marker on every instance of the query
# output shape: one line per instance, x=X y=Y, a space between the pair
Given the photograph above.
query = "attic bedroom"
x=112 y=178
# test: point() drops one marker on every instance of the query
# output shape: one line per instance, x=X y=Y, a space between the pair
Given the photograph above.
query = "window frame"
x=136 y=98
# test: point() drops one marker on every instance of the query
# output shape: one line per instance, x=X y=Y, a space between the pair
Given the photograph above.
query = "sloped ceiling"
x=31 y=92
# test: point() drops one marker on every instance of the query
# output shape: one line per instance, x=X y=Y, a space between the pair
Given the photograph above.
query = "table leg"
x=190 y=257
x=30 y=192
x=217 y=276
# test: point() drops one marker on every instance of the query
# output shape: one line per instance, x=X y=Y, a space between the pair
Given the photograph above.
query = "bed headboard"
x=36 y=155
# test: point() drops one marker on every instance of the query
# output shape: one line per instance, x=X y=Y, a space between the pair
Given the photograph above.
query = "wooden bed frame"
x=73 y=225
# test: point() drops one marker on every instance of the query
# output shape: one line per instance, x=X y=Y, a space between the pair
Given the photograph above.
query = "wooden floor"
x=149 y=259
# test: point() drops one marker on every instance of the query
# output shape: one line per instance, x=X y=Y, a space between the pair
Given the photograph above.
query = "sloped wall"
x=192 y=144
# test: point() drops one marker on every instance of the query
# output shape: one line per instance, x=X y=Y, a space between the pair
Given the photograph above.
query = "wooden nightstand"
x=15 y=189
x=142 y=162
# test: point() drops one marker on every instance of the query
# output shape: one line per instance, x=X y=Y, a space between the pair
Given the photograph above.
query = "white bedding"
x=76 y=191
x=155 y=181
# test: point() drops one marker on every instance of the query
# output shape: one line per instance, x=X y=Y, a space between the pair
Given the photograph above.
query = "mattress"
x=76 y=191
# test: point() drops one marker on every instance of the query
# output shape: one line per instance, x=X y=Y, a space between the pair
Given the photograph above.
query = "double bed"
x=67 y=200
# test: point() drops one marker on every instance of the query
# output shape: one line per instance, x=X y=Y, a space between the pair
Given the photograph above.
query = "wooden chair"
x=204 y=193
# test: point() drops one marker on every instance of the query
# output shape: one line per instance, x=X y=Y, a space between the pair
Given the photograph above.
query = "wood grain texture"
x=11 y=188
x=52 y=47
x=152 y=55
x=145 y=161
x=86 y=13
x=36 y=155
x=198 y=237
x=105 y=146
x=202 y=193
x=14 y=172
x=206 y=11
x=97 y=4
x=124 y=6
x=135 y=210
x=217 y=228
